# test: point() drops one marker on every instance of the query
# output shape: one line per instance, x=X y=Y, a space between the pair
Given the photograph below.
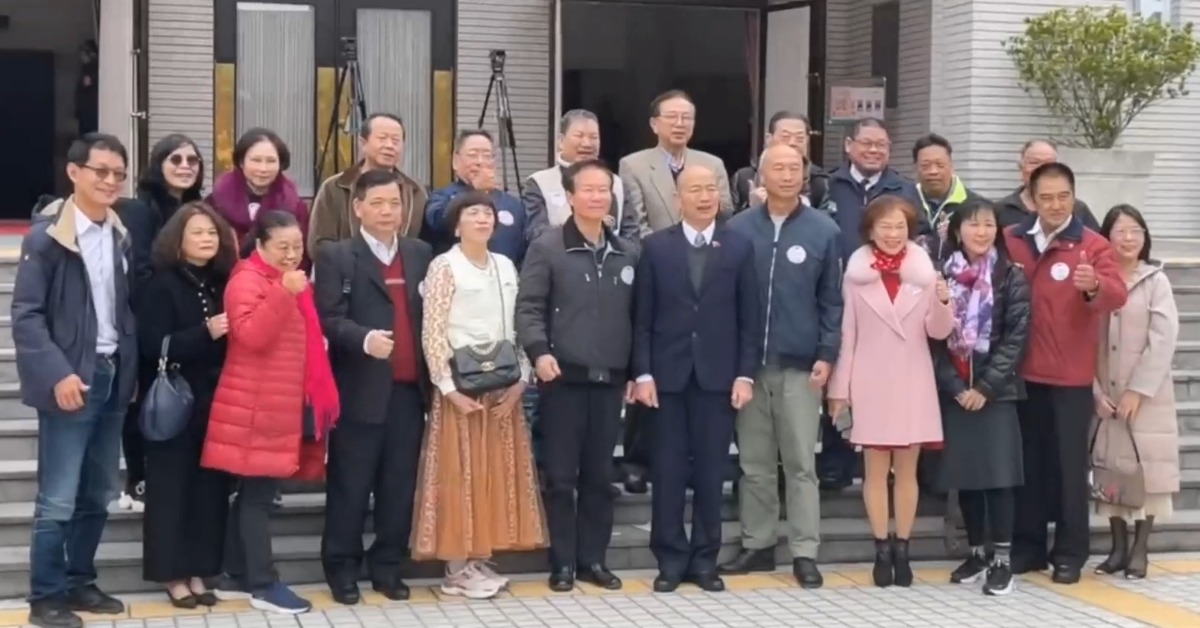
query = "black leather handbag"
x=481 y=369
x=167 y=406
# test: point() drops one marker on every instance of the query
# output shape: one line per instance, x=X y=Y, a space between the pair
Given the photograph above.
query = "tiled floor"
x=1167 y=599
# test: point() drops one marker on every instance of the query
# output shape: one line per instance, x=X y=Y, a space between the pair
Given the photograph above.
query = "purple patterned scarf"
x=971 y=296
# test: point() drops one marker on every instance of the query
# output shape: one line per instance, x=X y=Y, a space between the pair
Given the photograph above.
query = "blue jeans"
x=78 y=474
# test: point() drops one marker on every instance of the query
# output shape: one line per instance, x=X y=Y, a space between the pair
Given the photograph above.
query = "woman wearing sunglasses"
x=173 y=177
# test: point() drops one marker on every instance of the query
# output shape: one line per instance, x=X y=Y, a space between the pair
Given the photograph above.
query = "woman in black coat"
x=181 y=302
x=173 y=176
x=978 y=384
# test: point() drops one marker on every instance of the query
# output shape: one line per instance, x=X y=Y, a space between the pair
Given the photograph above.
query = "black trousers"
x=837 y=462
x=1055 y=422
x=248 y=557
x=636 y=438
x=133 y=446
x=690 y=439
x=183 y=530
x=987 y=515
x=580 y=423
x=380 y=459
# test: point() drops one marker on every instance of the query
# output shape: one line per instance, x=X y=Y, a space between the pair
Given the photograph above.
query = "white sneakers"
x=475 y=581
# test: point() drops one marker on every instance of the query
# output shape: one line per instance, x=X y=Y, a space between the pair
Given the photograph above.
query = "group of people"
x=392 y=341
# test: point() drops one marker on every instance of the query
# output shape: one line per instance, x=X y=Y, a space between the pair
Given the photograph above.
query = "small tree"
x=1097 y=69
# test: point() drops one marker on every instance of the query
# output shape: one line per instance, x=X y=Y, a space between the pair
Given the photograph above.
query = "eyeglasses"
x=880 y=145
x=178 y=160
x=678 y=118
x=103 y=173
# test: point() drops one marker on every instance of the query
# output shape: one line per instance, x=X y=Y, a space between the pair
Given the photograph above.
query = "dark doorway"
x=27 y=121
x=616 y=57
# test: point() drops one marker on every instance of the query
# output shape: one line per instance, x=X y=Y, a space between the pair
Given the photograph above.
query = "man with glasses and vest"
x=545 y=198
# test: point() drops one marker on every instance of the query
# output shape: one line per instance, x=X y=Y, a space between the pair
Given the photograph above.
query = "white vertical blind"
x=395 y=59
x=276 y=79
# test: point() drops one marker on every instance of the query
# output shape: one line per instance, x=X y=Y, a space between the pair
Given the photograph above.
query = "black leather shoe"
x=53 y=613
x=600 y=576
x=708 y=581
x=902 y=573
x=207 y=598
x=345 y=593
x=562 y=580
x=91 y=599
x=807 y=574
x=749 y=560
x=395 y=590
x=636 y=485
x=1066 y=574
x=882 y=573
x=665 y=584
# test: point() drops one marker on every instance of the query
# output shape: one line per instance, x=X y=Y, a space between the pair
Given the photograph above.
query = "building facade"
x=211 y=73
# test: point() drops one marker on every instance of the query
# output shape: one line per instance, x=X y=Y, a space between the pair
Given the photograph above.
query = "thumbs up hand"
x=1085 y=275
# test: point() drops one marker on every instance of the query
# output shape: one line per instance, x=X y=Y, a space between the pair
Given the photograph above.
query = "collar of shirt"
x=672 y=163
x=562 y=163
x=85 y=226
x=864 y=180
x=1042 y=238
x=690 y=233
x=384 y=252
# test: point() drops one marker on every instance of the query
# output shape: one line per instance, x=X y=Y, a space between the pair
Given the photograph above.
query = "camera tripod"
x=349 y=81
x=504 y=125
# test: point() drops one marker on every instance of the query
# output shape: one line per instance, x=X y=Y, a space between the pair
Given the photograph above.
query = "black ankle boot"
x=882 y=573
x=1139 y=554
x=901 y=568
x=1118 y=558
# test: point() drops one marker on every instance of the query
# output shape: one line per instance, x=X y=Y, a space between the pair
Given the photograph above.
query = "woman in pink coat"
x=894 y=303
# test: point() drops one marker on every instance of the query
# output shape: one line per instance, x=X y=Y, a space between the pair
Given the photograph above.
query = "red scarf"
x=320 y=390
x=885 y=263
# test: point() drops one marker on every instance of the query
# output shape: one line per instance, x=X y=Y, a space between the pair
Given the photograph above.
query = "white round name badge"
x=627 y=275
x=1060 y=271
x=421 y=289
x=505 y=217
x=796 y=254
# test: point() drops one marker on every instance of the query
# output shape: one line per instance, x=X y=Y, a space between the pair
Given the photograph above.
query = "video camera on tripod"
x=349 y=81
x=504 y=125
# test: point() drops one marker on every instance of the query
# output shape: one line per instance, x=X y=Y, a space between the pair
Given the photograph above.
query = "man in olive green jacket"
x=381 y=144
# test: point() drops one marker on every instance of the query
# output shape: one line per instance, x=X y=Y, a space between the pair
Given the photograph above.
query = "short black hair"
x=1052 y=169
x=154 y=181
x=259 y=134
x=671 y=94
x=866 y=123
x=1125 y=209
x=573 y=170
x=928 y=140
x=467 y=134
x=373 y=179
x=265 y=223
x=780 y=116
x=81 y=149
x=365 y=130
x=462 y=201
x=965 y=212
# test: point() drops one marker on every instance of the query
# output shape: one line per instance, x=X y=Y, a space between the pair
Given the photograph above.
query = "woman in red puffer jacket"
x=275 y=403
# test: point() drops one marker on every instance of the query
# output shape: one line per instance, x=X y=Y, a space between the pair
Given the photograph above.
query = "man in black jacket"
x=575 y=320
x=368 y=296
x=792 y=129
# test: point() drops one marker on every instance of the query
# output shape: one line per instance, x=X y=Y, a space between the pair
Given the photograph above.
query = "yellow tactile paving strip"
x=1093 y=591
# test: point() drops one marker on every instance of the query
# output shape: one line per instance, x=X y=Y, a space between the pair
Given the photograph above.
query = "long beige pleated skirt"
x=477 y=488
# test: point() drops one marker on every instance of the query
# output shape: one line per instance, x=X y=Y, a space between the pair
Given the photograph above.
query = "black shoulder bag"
x=167 y=405
x=482 y=368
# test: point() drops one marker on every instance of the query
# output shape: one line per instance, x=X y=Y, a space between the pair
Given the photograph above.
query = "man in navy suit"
x=697 y=343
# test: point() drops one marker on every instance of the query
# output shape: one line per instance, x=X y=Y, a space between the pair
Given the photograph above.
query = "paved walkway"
x=1167 y=599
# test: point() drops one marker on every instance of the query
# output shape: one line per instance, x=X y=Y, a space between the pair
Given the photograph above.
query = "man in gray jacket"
x=799 y=269
x=575 y=320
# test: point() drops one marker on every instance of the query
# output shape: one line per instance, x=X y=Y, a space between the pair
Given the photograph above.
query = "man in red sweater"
x=368 y=297
x=1074 y=282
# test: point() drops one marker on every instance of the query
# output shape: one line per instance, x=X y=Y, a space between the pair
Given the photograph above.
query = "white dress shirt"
x=96 y=247
x=1043 y=239
x=385 y=253
x=864 y=180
